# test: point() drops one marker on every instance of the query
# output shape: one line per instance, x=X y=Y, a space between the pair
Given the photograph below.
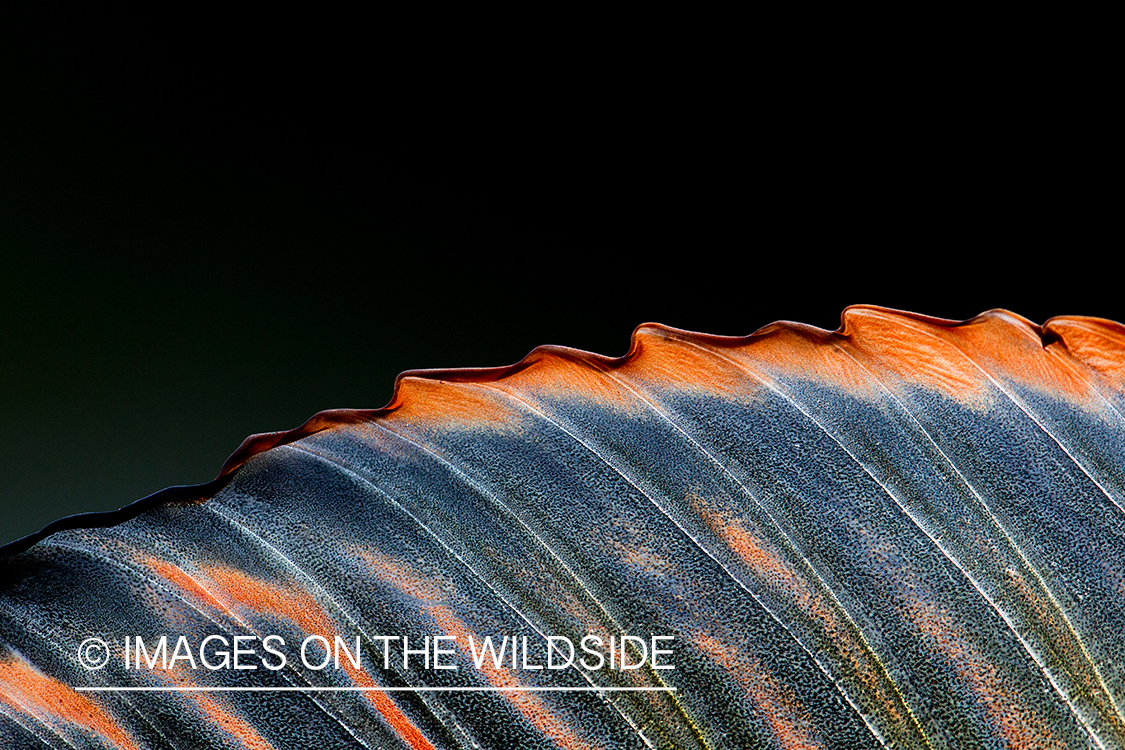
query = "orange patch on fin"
x=560 y=372
x=963 y=358
x=1092 y=342
x=292 y=602
x=27 y=690
x=298 y=606
x=1004 y=709
x=1010 y=346
x=531 y=706
x=689 y=361
x=914 y=350
x=775 y=701
x=440 y=403
x=402 y=576
x=219 y=715
x=806 y=353
x=231 y=724
x=792 y=584
x=180 y=579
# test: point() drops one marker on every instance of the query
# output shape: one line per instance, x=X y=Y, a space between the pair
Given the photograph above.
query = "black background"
x=192 y=254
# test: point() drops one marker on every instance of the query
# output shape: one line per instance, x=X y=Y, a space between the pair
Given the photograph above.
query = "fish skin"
x=909 y=532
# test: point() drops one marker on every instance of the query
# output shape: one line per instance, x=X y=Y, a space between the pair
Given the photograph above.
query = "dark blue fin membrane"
x=907 y=533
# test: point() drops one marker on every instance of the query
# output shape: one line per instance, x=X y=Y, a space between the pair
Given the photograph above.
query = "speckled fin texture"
x=908 y=533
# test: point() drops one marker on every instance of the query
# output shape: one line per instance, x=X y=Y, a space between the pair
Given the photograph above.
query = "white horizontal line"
x=197 y=689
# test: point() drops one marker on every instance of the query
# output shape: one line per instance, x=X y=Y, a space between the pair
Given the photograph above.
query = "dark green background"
x=191 y=257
